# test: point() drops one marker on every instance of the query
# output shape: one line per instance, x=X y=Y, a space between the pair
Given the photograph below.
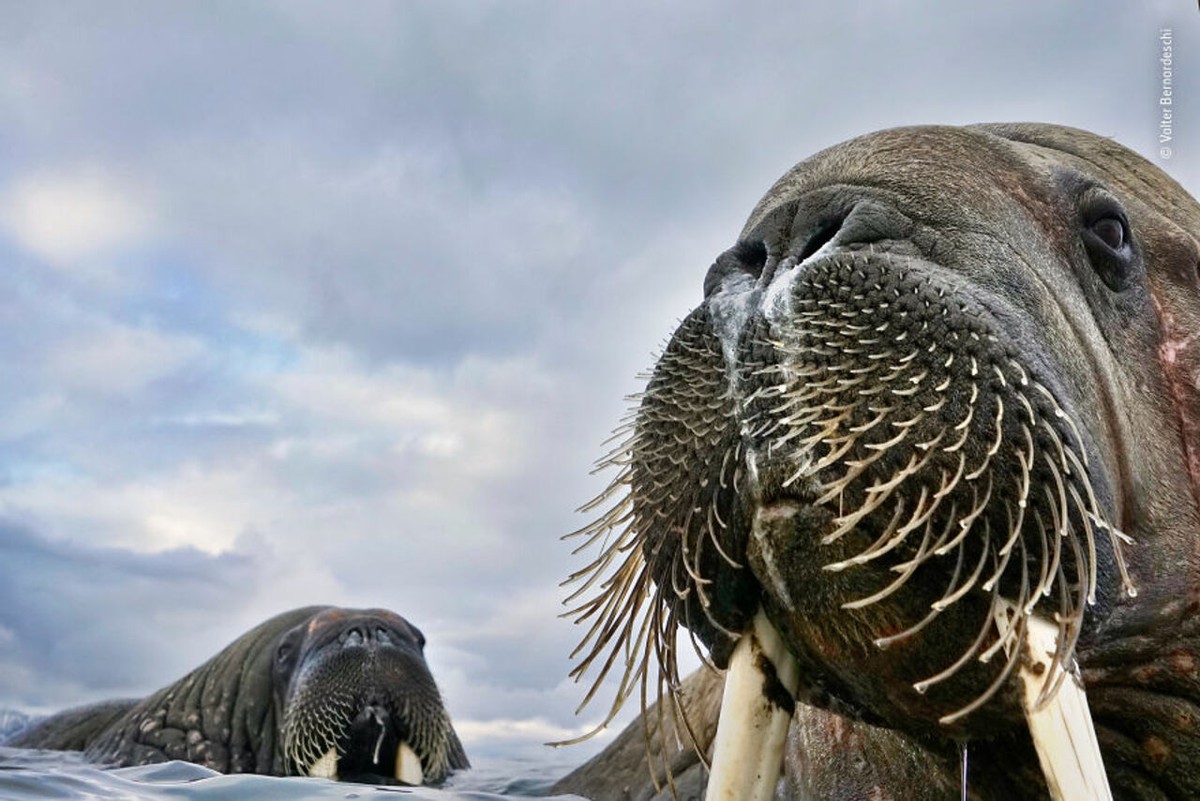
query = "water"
x=963 y=769
x=12 y=721
x=36 y=775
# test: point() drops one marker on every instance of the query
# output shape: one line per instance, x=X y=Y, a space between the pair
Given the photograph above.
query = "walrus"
x=318 y=691
x=926 y=458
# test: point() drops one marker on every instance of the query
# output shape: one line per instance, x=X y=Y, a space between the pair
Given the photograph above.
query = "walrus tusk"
x=326 y=766
x=752 y=729
x=408 y=765
x=1061 y=726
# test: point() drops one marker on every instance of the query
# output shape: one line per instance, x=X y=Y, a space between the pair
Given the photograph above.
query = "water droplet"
x=962 y=763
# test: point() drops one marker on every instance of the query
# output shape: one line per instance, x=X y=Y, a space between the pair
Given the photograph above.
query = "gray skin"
x=272 y=701
x=828 y=757
x=1019 y=303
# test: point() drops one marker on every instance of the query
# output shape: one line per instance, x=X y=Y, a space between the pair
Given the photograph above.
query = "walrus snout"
x=360 y=702
x=881 y=399
x=366 y=628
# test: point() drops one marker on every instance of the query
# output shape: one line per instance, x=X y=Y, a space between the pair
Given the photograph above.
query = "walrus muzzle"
x=359 y=702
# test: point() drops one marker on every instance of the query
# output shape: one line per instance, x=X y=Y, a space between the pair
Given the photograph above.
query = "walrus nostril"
x=353 y=637
x=747 y=257
x=822 y=236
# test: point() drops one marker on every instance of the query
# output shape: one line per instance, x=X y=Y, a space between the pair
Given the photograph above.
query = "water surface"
x=28 y=775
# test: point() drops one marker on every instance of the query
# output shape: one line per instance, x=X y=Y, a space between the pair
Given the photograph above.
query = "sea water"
x=26 y=775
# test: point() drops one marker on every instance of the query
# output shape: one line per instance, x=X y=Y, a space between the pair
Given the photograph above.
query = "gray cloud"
x=78 y=622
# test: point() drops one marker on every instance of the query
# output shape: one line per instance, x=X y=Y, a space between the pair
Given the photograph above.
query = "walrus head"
x=943 y=389
x=357 y=701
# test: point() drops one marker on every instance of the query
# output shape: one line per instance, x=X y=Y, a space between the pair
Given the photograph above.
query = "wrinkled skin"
x=268 y=702
x=828 y=757
x=941 y=366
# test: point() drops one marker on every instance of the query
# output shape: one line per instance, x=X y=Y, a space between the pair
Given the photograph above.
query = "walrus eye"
x=1110 y=231
x=1108 y=240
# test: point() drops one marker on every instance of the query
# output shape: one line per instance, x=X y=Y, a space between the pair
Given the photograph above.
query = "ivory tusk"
x=1062 y=729
x=408 y=765
x=326 y=766
x=752 y=730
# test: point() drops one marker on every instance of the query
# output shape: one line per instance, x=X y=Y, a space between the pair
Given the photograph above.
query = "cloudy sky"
x=336 y=303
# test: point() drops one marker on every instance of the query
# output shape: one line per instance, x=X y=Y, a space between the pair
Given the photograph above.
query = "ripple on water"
x=27 y=775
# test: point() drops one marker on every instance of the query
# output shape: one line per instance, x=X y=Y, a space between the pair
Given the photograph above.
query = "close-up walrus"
x=926 y=458
x=319 y=691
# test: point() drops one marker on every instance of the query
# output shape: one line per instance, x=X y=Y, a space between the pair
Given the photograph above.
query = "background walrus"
x=942 y=372
x=323 y=691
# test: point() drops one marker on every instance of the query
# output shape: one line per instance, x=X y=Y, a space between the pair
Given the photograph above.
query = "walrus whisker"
x=722 y=481
x=1052 y=548
x=1016 y=526
x=1058 y=445
x=948 y=487
x=859 y=558
x=923 y=685
x=888 y=444
x=886 y=642
x=650 y=766
x=846 y=523
x=889 y=589
x=701 y=652
x=920 y=515
x=1062 y=521
x=928 y=542
x=1116 y=536
x=1011 y=633
x=1061 y=415
x=832 y=456
x=946 y=601
x=620 y=614
x=963 y=438
x=1073 y=613
x=1064 y=646
x=599 y=603
x=595 y=573
x=692 y=566
x=856 y=467
x=604 y=525
x=624 y=436
x=634 y=669
x=1056 y=555
x=716 y=541
x=682 y=589
x=613 y=603
x=881 y=414
x=994 y=449
x=594 y=570
x=617 y=519
x=678 y=716
x=965 y=523
x=998 y=682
